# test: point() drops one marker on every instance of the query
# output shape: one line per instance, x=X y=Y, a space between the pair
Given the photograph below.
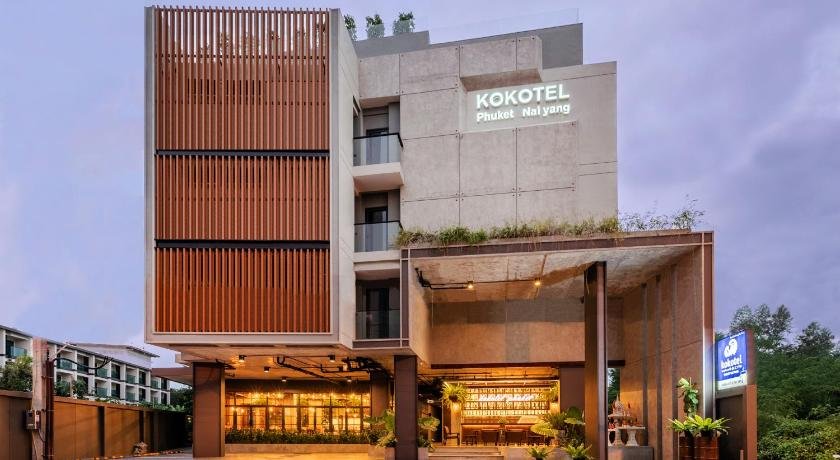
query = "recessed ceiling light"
x=332 y=358
x=241 y=359
x=265 y=369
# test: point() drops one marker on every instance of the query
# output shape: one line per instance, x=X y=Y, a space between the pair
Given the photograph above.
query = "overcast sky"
x=735 y=104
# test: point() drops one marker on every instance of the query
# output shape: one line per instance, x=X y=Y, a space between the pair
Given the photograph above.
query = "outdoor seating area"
x=499 y=437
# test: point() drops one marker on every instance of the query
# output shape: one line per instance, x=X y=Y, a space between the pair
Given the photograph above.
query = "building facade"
x=286 y=165
x=119 y=372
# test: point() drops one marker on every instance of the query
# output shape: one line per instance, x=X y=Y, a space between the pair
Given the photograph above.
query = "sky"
x=733 y=104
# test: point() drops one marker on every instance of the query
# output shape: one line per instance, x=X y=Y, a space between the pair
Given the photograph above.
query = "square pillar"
x=380 y=397
x=208 y=410
x=405 y=406
x=595 y=367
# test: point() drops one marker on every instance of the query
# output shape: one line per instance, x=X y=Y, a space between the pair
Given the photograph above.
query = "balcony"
x=15 y=352
x=379 y=324
x=102 y=392
x=378 y=236
x=155 y=384
x=130 y=397
x=102 y=373
x=115 y=394
x=130 y=378
x=115 y=374
x=376 y=162
x=63 y=363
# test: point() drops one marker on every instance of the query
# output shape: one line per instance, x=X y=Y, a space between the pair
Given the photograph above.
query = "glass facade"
x=296 y=412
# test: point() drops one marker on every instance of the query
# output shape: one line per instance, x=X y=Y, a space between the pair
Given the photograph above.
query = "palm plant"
x=453 y=393
x=578 y=451
x=383 y=428
x=539 y=452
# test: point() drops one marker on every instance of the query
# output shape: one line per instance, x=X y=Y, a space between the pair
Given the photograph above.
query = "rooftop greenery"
x=684 y=219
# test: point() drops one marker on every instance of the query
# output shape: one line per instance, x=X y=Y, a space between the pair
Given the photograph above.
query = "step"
x=466 y=453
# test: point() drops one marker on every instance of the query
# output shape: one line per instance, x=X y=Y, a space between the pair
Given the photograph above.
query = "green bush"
x=249 y=436
x=17 y=374
x=792 y=439
x=62 y=388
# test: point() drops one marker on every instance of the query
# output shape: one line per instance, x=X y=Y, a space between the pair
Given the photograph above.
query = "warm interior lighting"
x=456 y=407
x=283 y=380
x=241 y=359
x=349 y=380
x=345 y=367
x=265 y=369
x=332 y=358
x=537 y=282
x=470 y=285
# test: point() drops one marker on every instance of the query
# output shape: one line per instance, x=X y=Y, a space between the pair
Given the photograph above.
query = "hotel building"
x=118 y=372
x=282 y=160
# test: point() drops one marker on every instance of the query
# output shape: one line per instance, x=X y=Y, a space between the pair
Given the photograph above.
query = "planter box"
x=686 y=448
x=521 y=453
x=295 y=448
x=376 y=452
x=706 y=448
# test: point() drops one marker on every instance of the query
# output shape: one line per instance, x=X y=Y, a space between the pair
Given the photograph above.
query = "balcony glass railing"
x=377 y=149
x=115 y=374
x=102 y=373
x=377 y=237
x=102 y=392
x=65 y=364
x=155 y=384
x=130 y=397
x=14 y=352
x=115 y=394
x=379 y=324
x=130 y=379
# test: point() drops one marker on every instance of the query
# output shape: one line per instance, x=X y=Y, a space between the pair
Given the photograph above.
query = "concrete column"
x=405 y=406
x=380 y=395
x=595 y=367
x=208 y=410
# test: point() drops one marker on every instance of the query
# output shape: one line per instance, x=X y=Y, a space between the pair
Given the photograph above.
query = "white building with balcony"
x=120 y=372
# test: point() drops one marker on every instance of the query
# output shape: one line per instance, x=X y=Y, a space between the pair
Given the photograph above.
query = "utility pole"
x=39 y=360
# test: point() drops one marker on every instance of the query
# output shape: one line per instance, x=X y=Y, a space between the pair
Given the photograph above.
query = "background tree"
x=771 y=329
x=17 y=374
x=182 y=397
x=80 y=389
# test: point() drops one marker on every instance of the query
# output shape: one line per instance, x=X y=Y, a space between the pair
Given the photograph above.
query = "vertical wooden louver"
x=241 y=79
x=241 y=227
x=242 y=198
x=242 y=290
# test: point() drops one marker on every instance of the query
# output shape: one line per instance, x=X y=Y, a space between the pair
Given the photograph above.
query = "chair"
x=447 y=436
x=490 y=436
x=515 y=437
x=471 y=439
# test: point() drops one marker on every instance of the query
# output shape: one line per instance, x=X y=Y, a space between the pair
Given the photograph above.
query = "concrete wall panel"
x=429 y=70
x=379 y=76
x=487 y=160
x=546 y=204
x=430 y=214
x=486 y=211
x=434 y=113
x=546 y=156
x=528 y=53
x=430 y=168
x=488 y=57
x=597 y=195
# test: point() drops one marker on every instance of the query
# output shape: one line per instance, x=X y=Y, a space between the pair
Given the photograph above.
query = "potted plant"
x=539 y=452
x=424 y=443
x=685 y=431
x=404 y=23
x=551 y=424
x=375 y=27
x=706 y=432
x=453 y=395
x=691 y=399
x=578 y=451
x=350 y=24
x=383 y=435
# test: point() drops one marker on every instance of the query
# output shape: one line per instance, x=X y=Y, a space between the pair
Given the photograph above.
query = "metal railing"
x=155 y=384
x=115 y=394
x=377 y=149
x=378 y=324
x=115 y=374
x=131 y=397
x=379 y=236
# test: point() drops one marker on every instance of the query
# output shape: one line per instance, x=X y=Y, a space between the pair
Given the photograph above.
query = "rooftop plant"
x=684 y=219
x=375 y=27
x=350 y=23
x=404 y=23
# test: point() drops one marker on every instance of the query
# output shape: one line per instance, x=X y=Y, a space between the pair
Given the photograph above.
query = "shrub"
x=256 y=436
x=375 y=27
x=800 y=439
x=62 y=388
x=17 y=374
x=404 y=23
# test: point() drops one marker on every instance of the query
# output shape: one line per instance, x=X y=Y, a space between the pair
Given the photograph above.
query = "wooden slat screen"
x=242 y=290
x=242 y=198
x=241 y=79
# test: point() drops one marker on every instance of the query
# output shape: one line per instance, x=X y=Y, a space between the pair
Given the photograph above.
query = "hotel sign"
x=731 y=361
x=536 y=104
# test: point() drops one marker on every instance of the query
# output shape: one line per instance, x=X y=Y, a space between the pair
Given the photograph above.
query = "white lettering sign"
x=537 y=101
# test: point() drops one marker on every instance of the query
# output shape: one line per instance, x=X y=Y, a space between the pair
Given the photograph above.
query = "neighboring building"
x=126 y=374
x=282 y=160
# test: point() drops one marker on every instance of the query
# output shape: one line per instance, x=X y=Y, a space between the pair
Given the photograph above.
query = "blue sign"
x=731 y=361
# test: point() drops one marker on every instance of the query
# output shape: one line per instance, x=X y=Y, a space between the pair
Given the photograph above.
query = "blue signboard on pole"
x=731 y=361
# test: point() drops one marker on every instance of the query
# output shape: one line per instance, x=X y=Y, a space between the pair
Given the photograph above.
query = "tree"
x=62 y=388
x=182 y=397
x=815 y=340
x=80 y=389
x=350 y=23
x=17 y=374
x=769 y=328
x=614 y=379
x=403 y=24
x=375 y=27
